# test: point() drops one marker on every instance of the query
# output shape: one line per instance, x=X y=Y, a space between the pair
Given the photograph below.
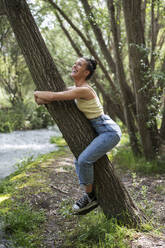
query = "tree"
x=14 y=76
x=111 y=193
x=139 y=86
x=127 y=96
x=142 y=79
x=122 y=81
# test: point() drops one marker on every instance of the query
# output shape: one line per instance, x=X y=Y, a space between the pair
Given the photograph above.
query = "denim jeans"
x=109 y=134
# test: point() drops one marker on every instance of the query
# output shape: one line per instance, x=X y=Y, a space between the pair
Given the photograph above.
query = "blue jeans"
x=109 y=134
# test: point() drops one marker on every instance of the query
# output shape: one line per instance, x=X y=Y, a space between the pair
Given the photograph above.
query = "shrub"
x=24 y=116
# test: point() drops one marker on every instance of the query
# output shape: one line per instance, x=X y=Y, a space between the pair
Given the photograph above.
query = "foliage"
x=24 y=116
x=59 y=141
x=123 y=158
x=16 y=80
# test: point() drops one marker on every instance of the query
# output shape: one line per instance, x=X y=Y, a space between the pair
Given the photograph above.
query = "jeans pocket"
x=111 y=126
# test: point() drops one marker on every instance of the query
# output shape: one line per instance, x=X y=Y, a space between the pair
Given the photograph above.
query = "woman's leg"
x=84 y=166
x=95 y=150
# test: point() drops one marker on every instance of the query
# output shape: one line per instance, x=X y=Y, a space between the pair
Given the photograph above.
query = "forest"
x=40 y=40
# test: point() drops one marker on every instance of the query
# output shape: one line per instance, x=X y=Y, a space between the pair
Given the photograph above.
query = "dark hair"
x=91 y=67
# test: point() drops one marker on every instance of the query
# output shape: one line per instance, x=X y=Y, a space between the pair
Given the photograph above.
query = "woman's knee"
x=83 y=162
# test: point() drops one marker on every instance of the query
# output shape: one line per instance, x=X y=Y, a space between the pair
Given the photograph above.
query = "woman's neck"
x=80 y=83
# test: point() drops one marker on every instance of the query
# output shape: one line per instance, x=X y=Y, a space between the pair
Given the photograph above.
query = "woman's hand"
x=39 y=100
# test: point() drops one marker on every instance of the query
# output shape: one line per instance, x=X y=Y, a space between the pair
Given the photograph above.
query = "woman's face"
x=79 y=70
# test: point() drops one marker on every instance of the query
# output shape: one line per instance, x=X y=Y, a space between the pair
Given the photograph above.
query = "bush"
x=40 y=118
x=24 y=116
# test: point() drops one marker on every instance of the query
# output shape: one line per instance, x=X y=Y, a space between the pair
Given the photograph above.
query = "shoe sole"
x=86 y=210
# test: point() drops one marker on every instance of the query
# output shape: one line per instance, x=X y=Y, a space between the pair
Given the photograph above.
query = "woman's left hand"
x=38 y=99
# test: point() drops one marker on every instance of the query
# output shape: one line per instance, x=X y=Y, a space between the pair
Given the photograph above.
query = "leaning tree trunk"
x=112 y=195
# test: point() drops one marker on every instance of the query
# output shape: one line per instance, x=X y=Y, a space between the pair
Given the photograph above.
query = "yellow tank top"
x=91 y=108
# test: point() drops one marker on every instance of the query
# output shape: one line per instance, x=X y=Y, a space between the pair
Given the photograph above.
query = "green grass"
x=59 y=141
x=95 y=230
x=123 y=158
x=22 y=222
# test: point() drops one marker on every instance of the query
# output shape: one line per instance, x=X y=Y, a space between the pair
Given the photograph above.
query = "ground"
x=150 y=191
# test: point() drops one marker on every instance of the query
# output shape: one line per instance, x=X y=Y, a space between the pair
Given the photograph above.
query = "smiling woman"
x=107 y=130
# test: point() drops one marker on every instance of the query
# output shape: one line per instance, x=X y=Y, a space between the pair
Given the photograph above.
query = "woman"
x=108 y=131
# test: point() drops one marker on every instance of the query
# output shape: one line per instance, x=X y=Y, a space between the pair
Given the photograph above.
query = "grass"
x=95 y=230
x=59 y=141
x=123 y=158
x=22 y=222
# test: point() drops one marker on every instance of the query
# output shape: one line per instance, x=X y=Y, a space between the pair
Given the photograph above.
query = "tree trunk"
x=2 y=8
x=130 y=121
x=113 y=108
x=143 y=82
x=154 y=33
x=162 y=128
x=112 y=196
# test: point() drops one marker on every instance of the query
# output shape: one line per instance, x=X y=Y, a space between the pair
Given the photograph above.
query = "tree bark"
x=112 y=195
x=143 y=14
x=154 y=33
x=143 y=82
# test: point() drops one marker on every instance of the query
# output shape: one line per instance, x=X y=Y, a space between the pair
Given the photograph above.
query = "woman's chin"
x=73 y=75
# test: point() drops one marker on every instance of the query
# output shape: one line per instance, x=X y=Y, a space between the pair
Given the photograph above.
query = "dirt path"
x=63 y=182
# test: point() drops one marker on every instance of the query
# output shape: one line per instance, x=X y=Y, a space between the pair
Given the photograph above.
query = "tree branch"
x=99 y=36
x=86 y=42
x=74 y=45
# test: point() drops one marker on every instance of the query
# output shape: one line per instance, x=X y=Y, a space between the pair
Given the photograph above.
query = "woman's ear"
x=87 y=72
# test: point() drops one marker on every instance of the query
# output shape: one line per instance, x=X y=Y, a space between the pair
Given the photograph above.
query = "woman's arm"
x=77 y=92
x=40 y=101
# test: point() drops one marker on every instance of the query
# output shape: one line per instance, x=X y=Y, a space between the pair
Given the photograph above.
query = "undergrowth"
x=23 y=223
x=123 y=158
x=95 y=230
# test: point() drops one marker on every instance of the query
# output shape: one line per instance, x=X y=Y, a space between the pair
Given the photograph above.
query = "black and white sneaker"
x=85 y=204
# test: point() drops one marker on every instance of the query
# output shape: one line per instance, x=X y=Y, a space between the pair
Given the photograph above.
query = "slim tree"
x=122 y=81
x=111 y=193
x=142 y=79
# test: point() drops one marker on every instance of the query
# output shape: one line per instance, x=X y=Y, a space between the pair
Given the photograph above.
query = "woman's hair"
x=91 y=67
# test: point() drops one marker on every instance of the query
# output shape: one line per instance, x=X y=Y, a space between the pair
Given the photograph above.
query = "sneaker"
x=85 y=203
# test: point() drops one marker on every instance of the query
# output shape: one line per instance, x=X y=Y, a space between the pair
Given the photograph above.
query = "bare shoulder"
x=85 y=92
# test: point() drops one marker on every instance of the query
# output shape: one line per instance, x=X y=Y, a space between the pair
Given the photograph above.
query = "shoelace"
x=83 y=201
